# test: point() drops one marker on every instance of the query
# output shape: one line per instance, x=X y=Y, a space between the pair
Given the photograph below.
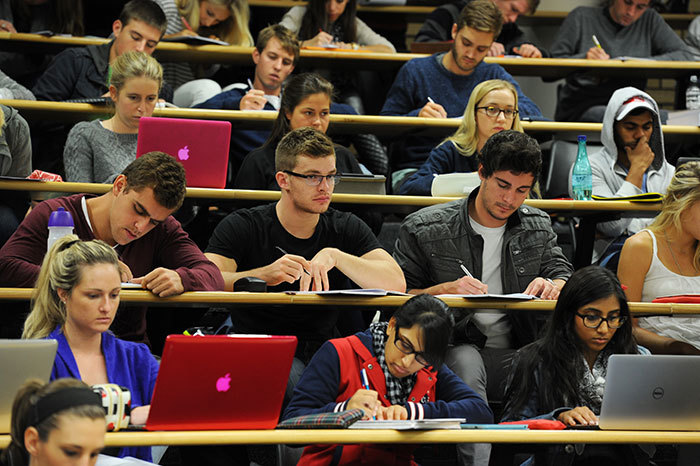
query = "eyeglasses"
x=594 y=321
x=315 y=180
x=493 y=112
x=407 y=348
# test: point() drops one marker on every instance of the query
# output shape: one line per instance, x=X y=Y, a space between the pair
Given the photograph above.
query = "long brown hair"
x=316 y=18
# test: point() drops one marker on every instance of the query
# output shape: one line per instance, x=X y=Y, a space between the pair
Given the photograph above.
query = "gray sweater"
x=15 y=145
x=648 y=37
x=94 y=154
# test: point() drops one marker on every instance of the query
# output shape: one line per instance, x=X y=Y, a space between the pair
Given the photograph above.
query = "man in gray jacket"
x=632 y=162
x=487 y=243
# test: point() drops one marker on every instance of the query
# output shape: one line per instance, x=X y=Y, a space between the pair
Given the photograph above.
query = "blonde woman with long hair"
x=492 y=108
x=97 y=151
x=664 y=260
x=225 y=20
x=74 y=302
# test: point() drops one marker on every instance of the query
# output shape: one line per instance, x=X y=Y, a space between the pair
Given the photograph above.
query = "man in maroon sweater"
x=135 y=218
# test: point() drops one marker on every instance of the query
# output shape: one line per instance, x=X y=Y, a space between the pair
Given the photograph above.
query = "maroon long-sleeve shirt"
x=167 y=245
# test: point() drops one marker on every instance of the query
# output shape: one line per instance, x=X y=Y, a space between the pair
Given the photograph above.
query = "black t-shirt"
x=251 y=238
x=258 y=168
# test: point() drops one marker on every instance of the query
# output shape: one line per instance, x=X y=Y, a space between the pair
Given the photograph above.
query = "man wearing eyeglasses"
x=487 y=243
x=300 y=244
x=439 y=86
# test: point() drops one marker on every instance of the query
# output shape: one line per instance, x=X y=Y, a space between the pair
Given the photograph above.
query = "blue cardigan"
x=129 y=364
x=318 y=389
x=445 y=158
x=425 y=77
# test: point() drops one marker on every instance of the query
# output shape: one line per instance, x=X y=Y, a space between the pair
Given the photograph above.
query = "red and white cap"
x=630 y=104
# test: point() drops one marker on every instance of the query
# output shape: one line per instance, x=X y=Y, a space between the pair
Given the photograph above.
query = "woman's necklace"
x=668 y=243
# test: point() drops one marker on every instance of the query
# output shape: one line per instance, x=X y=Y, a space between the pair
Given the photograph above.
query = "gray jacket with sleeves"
x=435 y=241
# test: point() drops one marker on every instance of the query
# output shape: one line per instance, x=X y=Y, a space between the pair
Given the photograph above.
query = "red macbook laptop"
x=219 y=382
x=200 y=145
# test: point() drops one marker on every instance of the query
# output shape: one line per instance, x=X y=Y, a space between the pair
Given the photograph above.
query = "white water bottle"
x=692 y=94
x=60 y=225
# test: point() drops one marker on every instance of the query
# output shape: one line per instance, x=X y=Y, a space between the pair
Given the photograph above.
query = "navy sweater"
x=319 y=386
x=425 y=77
x=445 y=158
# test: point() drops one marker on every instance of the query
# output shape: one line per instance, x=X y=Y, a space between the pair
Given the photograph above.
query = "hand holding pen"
x=464 y=285
x=288 y=268
x=432 y=110
x=254 y=99
x=596 y=52
x=365 y=399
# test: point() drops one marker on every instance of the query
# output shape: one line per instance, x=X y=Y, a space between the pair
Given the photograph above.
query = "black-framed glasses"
x=407 y=348
x=594 y=321
x=315 y=180
x=493 y=112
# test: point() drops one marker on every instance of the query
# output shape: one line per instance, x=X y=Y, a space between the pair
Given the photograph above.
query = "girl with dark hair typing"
x=59 y=423
x=403 y=360
x=562 y=375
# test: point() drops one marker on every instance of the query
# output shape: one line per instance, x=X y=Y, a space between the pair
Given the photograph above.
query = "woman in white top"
x=334 y=24
x=664 y=260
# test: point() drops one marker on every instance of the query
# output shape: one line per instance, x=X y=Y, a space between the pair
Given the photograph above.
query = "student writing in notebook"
x=74 y=302
x=492 y=107
x=406 y=378
x=562 y=375
x=134 y=217
x=97 y=151
x=225 y=20
x=59 y=423
x=299 y=243
x=489 y=242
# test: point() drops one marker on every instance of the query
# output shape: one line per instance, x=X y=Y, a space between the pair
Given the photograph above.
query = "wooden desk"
x=383 y=126
x=208 y=298
x=551 y=68
x=319 y=436
x=390 y=202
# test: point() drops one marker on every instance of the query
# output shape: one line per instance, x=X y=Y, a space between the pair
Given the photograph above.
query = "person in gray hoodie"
x=631 y=162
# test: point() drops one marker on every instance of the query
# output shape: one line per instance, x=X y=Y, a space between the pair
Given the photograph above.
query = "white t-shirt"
x=493 y=324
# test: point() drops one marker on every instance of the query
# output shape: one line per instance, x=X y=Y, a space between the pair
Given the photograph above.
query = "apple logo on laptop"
x=223 y=383
x=183 y=154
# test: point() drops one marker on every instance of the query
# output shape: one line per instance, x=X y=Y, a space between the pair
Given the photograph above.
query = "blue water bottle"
x=60 y=225
x=581 y=177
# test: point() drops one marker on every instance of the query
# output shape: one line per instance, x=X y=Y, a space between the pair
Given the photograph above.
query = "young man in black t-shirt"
x=300 y=244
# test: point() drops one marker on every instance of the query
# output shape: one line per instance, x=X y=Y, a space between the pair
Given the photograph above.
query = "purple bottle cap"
x=582 y=137
x=60 y=218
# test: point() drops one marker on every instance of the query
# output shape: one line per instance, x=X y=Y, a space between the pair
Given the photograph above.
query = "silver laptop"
x=360 y=183
x=21 y=360
x=659 y=392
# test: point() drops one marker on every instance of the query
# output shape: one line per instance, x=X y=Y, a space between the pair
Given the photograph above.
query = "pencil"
x=187 y=25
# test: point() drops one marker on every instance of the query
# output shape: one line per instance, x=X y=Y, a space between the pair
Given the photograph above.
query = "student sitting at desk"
x=225 y=20
x=334 y=24
x=492 y=107
x=664 y=260
x=97 y=151
x=16 y=161
x=631 y=162
x=405 y=379
x=47 y=417
x=562 y=375
x=299 y=243
x=134 y=216
x=74 y=302
x=511 y=40
x=306 y=101
x=439 y=86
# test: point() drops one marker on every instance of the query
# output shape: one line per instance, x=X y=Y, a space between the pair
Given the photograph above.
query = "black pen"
x=285 y=253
